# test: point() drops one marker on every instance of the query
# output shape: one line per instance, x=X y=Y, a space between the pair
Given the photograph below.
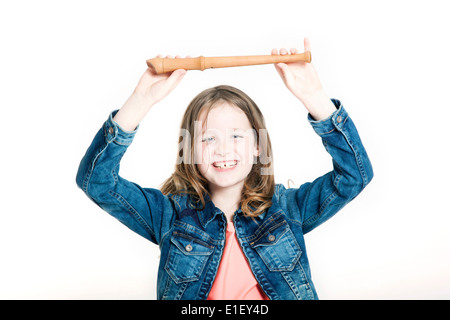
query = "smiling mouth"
x=225 y=164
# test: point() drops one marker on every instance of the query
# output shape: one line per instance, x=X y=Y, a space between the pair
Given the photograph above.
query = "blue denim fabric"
x=192 y=241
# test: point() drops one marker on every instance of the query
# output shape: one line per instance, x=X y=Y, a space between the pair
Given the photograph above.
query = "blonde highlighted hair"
x=259 y=185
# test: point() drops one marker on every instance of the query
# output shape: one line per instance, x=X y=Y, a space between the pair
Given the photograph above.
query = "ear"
x=256 y=151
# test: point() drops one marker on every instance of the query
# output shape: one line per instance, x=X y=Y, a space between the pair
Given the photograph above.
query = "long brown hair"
x=259 y=185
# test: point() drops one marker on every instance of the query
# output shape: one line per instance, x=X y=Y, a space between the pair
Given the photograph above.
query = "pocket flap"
x=191 y=246
x=271 y=237
x=278 y=248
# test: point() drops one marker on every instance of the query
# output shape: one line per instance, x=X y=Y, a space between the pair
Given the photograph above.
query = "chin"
x=227 y=181
x=223 y=182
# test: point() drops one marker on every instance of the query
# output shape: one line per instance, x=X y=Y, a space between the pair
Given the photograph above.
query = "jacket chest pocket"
x=187 y=257
x=278 y=248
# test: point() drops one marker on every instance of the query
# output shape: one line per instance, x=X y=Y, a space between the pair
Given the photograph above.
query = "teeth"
x=225 y=165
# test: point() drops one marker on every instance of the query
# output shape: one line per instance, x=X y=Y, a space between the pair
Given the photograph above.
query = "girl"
x=225 y=229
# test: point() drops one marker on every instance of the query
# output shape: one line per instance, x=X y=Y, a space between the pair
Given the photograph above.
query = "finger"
x=285 y=73
x=283 y=51
x=294 y=51
x=307 y=44
x=274 y=51
x=177 y=56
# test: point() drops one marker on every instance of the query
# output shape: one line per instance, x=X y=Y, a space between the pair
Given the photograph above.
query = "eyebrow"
x=234 y=129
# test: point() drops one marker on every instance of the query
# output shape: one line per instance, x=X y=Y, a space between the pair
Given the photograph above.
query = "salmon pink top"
x=234 y=279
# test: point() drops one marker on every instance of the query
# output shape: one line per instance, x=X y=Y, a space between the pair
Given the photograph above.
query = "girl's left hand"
x=303 y=81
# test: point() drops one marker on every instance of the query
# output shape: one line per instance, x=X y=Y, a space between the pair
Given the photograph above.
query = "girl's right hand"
x=150 y=89
x=155 y=87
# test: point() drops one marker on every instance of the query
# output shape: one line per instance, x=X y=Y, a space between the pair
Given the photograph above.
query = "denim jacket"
x=192 y=240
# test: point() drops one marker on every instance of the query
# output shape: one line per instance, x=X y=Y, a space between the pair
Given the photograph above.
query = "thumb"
x=175 y=78
x=285 y=73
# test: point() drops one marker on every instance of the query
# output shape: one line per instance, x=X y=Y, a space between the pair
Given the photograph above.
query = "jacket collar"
x=207 y=214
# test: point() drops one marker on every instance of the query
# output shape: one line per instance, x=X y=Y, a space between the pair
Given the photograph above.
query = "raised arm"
x=151 y=88
x=144 y=210
x=315 y=202
x=303 y=81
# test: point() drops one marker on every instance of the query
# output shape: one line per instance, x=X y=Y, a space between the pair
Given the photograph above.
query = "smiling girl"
x=224 y=228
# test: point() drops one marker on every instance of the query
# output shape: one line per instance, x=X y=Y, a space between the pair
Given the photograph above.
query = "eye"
x=237 y=136
x=208 y=139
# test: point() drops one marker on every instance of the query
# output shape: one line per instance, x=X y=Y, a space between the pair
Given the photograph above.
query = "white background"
x=65 y=65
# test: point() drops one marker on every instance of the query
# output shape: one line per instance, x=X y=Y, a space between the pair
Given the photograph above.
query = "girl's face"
x=226 y=147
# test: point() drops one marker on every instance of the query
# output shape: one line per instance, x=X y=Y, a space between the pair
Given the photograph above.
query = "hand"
x=303 y=81
x=150 y=89
x=155 y=87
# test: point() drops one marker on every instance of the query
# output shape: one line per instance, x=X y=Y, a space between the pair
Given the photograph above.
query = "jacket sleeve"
x=146 y=211
x=315 y=202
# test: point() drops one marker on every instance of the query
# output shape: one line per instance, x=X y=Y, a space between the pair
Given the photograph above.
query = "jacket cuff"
x=335 y=121
x=114 y=133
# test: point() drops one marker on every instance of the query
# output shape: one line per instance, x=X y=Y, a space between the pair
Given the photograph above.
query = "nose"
x=223 y=147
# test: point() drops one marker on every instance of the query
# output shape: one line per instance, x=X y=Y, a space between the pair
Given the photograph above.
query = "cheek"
x=201 y=157
x=247 y=151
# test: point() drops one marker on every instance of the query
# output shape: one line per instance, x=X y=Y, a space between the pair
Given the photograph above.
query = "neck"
x=227 y=199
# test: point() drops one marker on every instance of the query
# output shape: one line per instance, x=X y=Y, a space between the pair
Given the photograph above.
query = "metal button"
x=339 y=119
x=271 y=238
x=111 y=130
x=188 y=248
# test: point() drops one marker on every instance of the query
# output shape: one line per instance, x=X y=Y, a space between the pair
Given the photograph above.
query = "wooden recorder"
x=163 y=65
